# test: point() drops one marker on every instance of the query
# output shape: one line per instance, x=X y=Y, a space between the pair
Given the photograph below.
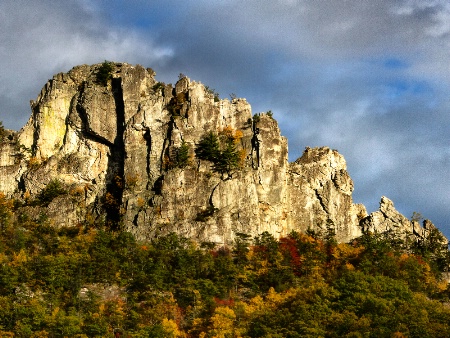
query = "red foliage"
x=224 y=302
x=288 y=247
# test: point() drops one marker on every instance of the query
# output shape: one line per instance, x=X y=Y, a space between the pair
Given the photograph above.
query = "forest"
x=90 y=281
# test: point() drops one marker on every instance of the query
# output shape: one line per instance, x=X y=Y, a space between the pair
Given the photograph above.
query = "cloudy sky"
x=370 y=78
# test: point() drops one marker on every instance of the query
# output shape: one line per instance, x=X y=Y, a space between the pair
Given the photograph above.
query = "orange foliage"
x=231 y=134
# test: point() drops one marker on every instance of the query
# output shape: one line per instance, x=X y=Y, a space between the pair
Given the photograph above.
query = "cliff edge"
x=109 y=143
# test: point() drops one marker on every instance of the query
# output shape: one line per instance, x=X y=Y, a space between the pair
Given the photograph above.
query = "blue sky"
x=368 y=78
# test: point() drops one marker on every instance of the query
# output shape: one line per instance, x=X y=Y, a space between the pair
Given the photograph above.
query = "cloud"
x=369 y=78
x=41 y=39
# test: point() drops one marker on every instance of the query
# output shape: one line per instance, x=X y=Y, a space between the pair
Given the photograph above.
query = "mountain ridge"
x=113 y=136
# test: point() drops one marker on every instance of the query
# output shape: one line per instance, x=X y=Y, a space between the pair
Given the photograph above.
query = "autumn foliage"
x=87 y=282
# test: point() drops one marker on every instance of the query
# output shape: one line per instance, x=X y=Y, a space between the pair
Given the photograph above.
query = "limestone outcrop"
x=125 y=152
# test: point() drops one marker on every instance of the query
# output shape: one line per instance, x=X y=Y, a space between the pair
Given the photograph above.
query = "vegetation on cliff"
x=221 y=150
x=104 y=73
x=86 y=281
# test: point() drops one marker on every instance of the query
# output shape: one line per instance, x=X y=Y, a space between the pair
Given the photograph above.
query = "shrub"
x=213 y=93
x=158 y=86
x=131 y=180
x=104 y=73
x=2 y=132
x=33 y=163
x=52 y=190
x=183 y=155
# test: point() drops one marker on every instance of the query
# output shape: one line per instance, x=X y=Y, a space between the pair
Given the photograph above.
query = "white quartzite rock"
x=115 y=147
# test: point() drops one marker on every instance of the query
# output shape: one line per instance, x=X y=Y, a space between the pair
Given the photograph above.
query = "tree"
x=208 y=148
x=221 y=150
x=183 y=155
x=6 y=207
x=2 y=132
x=104 y=73
x=227 y=160
x=52 y=190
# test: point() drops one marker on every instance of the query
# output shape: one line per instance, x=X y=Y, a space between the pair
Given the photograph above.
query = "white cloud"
x=41 y=39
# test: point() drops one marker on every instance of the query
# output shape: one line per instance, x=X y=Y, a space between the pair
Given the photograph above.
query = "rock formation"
x=124 y=150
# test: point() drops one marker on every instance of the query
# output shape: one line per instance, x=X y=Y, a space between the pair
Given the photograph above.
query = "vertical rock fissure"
x=255 y=145
x=320 y=199
x=116 y=162
x=165 y=155
x=211 y=207
x=37 y=129
x=148 y=141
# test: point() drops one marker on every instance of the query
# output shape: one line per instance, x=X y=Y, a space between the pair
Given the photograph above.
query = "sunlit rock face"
x=115 y=145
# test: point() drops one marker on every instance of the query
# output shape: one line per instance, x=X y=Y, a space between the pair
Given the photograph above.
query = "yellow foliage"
x=140 y=202
x=227 y=132
x=345 y=252
x=26 y=196
x=404 y=257
x=273 y=297
x=55 y=312
x=33 y=163
x=3 y=258
x=223 y=322
x=131 y=180
x=101 y=308
x=78 y=190
x=242 y=156
x=19 y=258
x=4 y=201
x=231 y=134
x=6 y=334
x=171 y=329
x=39 y=334
x=442 y=285
x=256 y=304
x=349 y=266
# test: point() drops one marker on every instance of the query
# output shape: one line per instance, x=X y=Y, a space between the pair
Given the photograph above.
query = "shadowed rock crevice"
x=115 y=169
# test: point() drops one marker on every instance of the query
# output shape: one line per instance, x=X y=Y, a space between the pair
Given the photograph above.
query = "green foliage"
x=213 y=93
x=208 y=148
x=416 y=216
x=2 y=132
x=158 y=86
x=220 y=150
x=6 y=207
x=183 y=155
x=104 y=73
x=256 y=118
x=301 y=285
x=52 y=190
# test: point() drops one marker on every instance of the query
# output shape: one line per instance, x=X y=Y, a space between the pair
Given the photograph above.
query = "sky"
x=370 y=78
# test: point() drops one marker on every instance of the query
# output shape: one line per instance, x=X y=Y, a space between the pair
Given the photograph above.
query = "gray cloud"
x=369 y=78
x=41 y=39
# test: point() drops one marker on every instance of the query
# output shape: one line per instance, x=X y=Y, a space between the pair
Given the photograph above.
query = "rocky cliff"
x=126 y=150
